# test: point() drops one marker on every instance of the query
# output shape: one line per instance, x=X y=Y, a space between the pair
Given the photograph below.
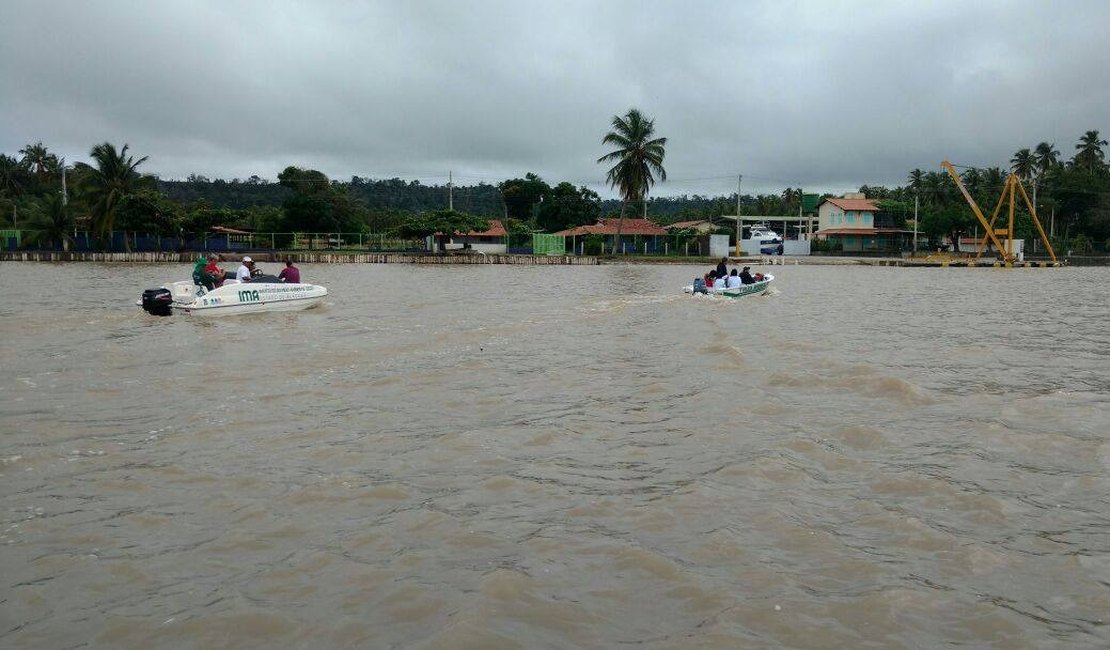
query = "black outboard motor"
x=158 y=302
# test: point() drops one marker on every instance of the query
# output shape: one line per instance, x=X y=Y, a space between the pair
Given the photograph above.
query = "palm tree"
x=1047 y=156
x=40 y=161
x=1090 y=153
x=104 y=186
x=52 y=226
x=972 y=180
x=934 y=188
x=1023 y=163
x=639 y=158
x=993 y=179
x=13 y=176
x=916 y=179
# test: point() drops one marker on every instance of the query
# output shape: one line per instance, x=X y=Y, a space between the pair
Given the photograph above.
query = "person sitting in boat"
x=709 y=278
x=212 y=274
x=246 y=269
x=734 y=280
x=198 y=271
x=290 y=273
x=721 y=282
x=746 y=277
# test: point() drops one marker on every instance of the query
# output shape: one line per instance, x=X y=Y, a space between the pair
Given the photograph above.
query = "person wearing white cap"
x=244 y=272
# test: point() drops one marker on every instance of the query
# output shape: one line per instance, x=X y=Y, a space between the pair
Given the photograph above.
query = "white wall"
x=718 y=246
x=795 y=247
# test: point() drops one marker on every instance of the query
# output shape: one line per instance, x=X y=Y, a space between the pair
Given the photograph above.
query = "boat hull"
x=243 y=298
x=742 y=291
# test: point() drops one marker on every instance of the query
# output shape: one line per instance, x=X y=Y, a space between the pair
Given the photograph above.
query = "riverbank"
x=299 y=258
x=309 y=257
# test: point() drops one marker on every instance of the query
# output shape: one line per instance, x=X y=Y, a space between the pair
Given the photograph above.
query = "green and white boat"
x=760 y=286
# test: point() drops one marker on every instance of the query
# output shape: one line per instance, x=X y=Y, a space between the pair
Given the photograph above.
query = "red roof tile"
x=609 y=227
x=690 y=224
x=496 y=229
x=864 y=205
x=857 y=231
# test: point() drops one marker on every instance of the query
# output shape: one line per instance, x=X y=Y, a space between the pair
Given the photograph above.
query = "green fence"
x=548 y=244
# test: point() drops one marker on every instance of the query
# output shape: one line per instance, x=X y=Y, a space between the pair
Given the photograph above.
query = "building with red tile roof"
x=490 y=240
x=496 y=229
x=855 y=222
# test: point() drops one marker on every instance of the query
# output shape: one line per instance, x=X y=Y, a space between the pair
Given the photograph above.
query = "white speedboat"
x=762 y=241
x=263 y=293
x=761 y=285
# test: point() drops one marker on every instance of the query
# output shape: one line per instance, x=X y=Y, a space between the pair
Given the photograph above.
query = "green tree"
x=1023 y=164
x=1089 y=155
x=1046 y=156
x=52 y=225
x=102 y=188
x=522 y=196
x=566 y=207
x=150 y=211
x=39 y=161
x=14 y=176
x=916 y=179
x=638 y=158
x=317 y=205
x=952 y=221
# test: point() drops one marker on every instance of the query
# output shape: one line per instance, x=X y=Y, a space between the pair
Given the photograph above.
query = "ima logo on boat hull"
x=248 y=296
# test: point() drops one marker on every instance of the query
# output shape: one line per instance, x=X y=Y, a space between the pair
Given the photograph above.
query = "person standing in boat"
x=290 y=273
x=722 y=267
x=746 y=277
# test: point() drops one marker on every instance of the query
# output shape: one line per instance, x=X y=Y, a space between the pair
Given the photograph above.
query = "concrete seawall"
x=299 y=257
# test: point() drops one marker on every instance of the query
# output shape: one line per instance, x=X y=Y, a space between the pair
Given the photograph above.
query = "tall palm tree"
x=1023 y=163
x=1047 y=156
x=638 y=157
x=104 y=186
x=14 y=176
x=993 y=179
x=916 y=179
x=934 y=189
x=1089 y=154
x=40 y=161
x=972 y=180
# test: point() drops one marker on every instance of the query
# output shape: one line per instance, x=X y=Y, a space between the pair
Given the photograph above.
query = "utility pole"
x=450 y=191
x=739 y=250
x=914 y=225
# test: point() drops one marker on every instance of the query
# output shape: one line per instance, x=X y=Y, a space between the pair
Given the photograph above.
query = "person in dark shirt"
x=290 y=273
x=746 y=277
x=722 y=268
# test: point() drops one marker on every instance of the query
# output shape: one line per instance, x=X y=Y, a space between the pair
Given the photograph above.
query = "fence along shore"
x=300 y=257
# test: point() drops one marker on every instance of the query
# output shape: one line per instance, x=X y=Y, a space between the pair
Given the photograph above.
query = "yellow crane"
x=1011 y=188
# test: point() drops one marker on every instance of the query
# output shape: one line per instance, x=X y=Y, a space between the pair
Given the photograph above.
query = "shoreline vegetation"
x=49 y=200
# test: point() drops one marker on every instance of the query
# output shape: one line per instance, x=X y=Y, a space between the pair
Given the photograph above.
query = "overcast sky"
x=823 y=95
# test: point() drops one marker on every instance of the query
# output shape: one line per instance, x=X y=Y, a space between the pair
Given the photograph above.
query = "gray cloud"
x=825 y=95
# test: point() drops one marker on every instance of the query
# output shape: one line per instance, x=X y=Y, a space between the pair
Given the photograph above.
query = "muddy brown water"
x=554 y=457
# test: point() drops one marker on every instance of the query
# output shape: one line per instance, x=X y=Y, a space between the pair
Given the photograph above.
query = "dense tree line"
x=110 y=192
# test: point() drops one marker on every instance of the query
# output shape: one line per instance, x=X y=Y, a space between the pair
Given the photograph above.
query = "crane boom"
x=1003 y=251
